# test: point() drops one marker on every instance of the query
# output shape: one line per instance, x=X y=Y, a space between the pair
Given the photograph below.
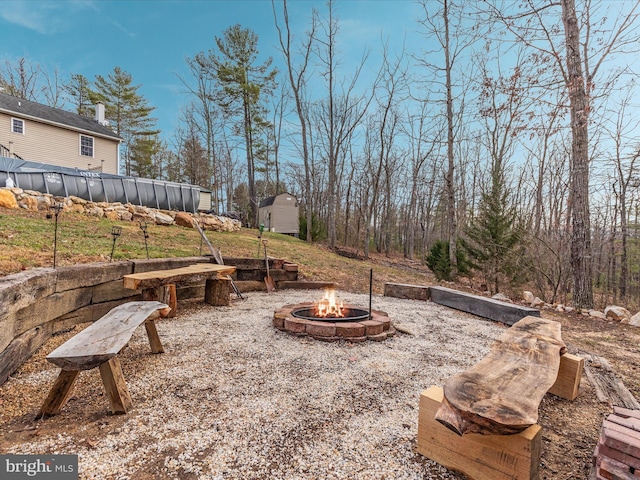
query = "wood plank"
x=481 y=457
x=155 y=278
x=609 y=388
x=567 y=383
x=115 y=387
x=59 y=393
x=505 y=312
x=412 y=292
x=103 y=339
x=501 y=393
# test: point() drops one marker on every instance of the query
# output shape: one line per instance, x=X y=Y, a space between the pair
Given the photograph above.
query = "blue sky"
x=150 y=39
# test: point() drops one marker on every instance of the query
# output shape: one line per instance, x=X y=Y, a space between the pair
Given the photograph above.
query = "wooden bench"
x=98 y=346
x=483 y=423
x=160 y=285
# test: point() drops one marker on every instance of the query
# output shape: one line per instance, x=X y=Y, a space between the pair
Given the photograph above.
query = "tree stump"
x=217 y=291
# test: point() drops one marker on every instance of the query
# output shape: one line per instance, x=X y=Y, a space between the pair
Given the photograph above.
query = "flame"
x=328 y=307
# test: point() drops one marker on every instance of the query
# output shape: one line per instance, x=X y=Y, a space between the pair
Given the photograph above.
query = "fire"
x=328 y=307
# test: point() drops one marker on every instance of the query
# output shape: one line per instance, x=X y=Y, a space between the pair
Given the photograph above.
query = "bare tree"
x=297 y=81
x=579 y=56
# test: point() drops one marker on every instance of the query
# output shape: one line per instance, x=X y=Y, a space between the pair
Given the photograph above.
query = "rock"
x=124 y=214
x=29 y=203
x=75 y=208
x=96 y=211
x=184 y=219
x=163 y=219
x=528 y=296
x=78 y=200
x=635 y=320
x=597 y=314
x=619 y=314
x=7 y=199
x=502 y=297
x=537 y=302
x=112 y=215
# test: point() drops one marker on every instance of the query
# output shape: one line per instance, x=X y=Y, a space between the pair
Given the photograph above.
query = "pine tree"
x=495 y=238
x=78 y=89
x=127 y=111
x=243 y=85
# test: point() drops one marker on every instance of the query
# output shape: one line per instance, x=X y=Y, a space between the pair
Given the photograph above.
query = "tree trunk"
x=581 y=225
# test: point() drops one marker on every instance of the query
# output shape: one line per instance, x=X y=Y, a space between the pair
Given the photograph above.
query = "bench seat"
x=98 y=346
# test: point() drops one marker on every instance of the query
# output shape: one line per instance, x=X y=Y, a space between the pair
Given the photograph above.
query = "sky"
x=150 y=39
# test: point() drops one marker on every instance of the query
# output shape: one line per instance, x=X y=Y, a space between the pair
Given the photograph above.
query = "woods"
x=506 y=140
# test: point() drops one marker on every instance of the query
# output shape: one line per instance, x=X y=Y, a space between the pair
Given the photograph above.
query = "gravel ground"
x=234 y=398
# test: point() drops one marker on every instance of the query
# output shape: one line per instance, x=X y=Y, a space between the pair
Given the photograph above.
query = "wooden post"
x=481 y=457
x=217 y=291
x=59 y=393
x=154 y=338
x=164 y=294
x=115 y=386
x=569 y=375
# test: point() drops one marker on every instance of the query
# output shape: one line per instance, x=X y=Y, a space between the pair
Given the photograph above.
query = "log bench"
x=98 y=346
x=160 y=285
x=483 y=422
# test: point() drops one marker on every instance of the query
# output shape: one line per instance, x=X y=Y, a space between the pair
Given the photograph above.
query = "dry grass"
x=27 y=241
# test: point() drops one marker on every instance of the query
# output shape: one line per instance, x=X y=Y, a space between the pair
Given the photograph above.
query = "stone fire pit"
x=377 y=329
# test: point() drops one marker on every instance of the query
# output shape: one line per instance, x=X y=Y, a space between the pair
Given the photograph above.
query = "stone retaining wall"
x=36 y=201
x=36 y=304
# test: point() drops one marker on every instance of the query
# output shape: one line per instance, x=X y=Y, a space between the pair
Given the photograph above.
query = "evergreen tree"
x=78 y=90
x=144 y=151
x=127 y=111
x=495 y=238
x=243 y=86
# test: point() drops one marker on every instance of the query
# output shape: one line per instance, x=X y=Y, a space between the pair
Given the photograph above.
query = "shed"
x=280 y=214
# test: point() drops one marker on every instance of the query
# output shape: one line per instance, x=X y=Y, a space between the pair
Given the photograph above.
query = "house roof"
x=26 y=109
x=269 y=200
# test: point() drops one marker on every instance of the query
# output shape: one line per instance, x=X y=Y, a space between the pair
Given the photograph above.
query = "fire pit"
x=329 y=321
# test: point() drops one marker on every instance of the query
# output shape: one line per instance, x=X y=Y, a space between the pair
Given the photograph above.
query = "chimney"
x=100 y=113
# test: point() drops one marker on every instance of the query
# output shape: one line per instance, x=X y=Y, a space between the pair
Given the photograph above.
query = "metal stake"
x=115 y=231
x=370 y=291
x=143 y=227
x=57 y=208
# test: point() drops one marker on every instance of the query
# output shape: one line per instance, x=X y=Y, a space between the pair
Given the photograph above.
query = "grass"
x=27 y=241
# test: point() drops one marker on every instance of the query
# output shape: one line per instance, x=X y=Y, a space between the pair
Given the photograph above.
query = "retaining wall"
x=36 y=304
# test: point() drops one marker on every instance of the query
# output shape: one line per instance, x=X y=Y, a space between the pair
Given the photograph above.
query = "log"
x=501 y=393
x=609 y=388
x=216 y=291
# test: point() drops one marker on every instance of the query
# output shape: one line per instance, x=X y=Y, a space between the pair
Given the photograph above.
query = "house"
x=280 y=214
x=39 y=133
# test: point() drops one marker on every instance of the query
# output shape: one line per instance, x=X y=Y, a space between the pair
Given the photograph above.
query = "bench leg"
x=59 y=393
x=154 y=338
x=217 y=291
x=115 y=386
x=165 y=294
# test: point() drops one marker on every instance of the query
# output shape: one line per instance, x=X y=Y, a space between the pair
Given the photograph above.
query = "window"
x=86 y=146
x=17 y=125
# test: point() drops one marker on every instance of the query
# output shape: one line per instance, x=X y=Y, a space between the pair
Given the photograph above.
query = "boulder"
x=163 y=219
x=184 y=219
x=7 y=199
x=635 y=320
x=29 y=203
x=597 y=314
x=619 y=314
x=537 y=302
x=502 y=297
x=528 y=296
